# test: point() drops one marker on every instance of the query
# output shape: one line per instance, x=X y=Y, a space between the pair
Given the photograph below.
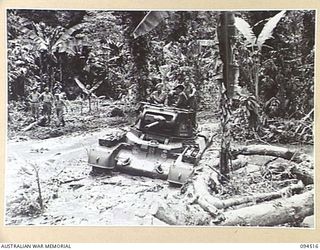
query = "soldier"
x=158 y=96
x=57 y=88
x=60 y=105
x=182 y=101
x=34 y=102
x=190 y=91
x=47 y=100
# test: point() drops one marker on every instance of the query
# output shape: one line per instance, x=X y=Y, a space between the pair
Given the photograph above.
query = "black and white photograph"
x=190 y=118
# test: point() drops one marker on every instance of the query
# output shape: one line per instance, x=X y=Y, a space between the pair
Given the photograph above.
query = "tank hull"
x=173 y=161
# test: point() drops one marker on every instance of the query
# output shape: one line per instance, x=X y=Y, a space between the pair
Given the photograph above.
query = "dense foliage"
x=286 y=61
x=52 y=47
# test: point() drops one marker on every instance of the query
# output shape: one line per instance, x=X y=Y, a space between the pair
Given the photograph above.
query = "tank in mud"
x=163 y=143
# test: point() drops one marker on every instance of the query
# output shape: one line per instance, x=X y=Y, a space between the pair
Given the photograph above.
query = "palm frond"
x=245 y=30
x=67 y=46
x=97 y=85
x=267 y=30
x=113 y=46
x=81 y=86
x=149 y=22
x=68 y=33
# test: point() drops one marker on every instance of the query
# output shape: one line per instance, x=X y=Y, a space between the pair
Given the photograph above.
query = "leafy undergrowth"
x=258 y=174
x=280 y=130
x=255 y=179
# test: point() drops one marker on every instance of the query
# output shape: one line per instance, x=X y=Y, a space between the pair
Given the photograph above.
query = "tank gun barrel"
x=152 y=124
x=158 y=119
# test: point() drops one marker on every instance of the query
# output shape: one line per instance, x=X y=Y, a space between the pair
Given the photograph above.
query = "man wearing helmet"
x=182 y=99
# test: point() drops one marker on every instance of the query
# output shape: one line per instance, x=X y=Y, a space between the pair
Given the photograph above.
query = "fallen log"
x=207 y=202
x=236 y=164
x=182 y=215
x=30 y=126
x=278 y=212
x=303 y=173
x=40 y=121
x=276 y=151
x=168 y=215
x=285 y=183
x=209 y=208
x=308 y=222
x=211 y=204
x=258 y=198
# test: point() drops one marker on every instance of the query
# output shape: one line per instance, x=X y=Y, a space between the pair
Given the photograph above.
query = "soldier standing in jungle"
x=47 y=102
x=60 y=105
x=190 y=91
x=34 y=99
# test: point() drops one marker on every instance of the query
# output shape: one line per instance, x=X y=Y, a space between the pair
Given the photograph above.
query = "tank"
x=163 y=143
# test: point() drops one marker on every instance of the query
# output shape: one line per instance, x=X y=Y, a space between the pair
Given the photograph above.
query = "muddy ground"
x=72 y=195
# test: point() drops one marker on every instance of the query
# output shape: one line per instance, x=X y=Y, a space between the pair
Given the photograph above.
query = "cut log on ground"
x=258 y=198
x=168 y=215
x=278 y=212
x=178 y=214
x=212 y=204
x=208 y=202
x=303 y=173
x=238 y=163
x=30 y=126
x=285 y=153
x=40 y=121
x=308 y=222
x=207 y=209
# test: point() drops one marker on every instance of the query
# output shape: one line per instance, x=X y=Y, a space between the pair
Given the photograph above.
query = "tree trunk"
x=278 y=212
x=60 y=68
x=89 y=102
x=281 y=152
x=256 y=76
x=139 y=49
x=226 y=31
x=41 y=68
x=181 y=215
